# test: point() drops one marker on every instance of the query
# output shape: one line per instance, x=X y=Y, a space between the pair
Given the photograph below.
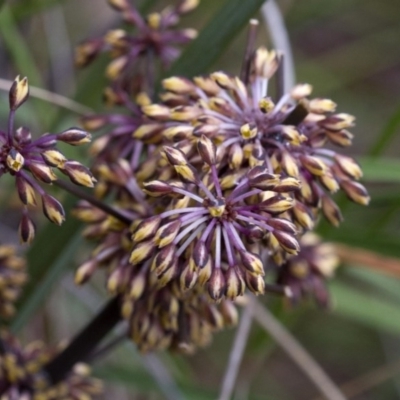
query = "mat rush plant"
x=206 y=191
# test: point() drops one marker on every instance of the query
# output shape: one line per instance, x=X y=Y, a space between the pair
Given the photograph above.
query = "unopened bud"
x=187 y=6
x=146 y=229
x=26 y=191
x=74 y=136
x=206 y=149
x=157 y=188
x=349 y=166
x=26 y=230
x=141 y=251
x=54 y=158
x=85 y=271
x=42 y=172
x=15 y=160
x=78 y=173
x=331 y=211
x=53 y=209
x=167 y=233
x=252 y=262
x=313 y=165
x=19 y=92
x=216 y=284
x=287 y=242
x=355 y=191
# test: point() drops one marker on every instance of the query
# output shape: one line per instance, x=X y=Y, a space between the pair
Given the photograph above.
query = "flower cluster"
x=288 y=135
x=32 y=161
x=212 y=184
x=155 y=37
x=305 y=274
x=160 y=314
x=12 y=278
x=21 y=377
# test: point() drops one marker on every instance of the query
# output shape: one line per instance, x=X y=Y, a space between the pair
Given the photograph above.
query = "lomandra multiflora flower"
x=306 y=273
x=212 y=234
x=154 y=37
x=21 y=377
x=288 y=135
x=12 y=278
x=159 y=313
x=32 y=162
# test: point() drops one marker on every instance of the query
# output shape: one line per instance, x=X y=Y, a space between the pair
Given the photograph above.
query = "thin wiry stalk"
x=277 y=30
x=92 y=200
x=296 y=352
x=60 y=57
x=109 y=346
x=236 y=355
x=50 y=97
x=371 y=379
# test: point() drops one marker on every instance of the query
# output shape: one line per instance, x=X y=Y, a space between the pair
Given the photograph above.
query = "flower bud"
x=313 y=165
x=26 y=230
x=141 y=251
x=157 y=188
x=53 y=209
x=163 y=259
x=187 y=6
x=54 y=158
x=78 y=173
x=216 y=284
x=229 y=313
x=355 y=191
x=255 y=283
x=74 y=136
x=348 y=166
x=119 y=5
x=252 y=262
x=167 y=233
x=206 y=149
x=178 y=85
x=188 y=277
x=287 y=242
x=26 y=191
x=15 y=160
x=260 y=178
x=331 y=211
x=85 y=271
x=146 y=229
x=235 y=285
x=19 y=92
x=137 y=286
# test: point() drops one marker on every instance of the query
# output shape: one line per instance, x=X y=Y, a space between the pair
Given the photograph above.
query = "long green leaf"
x=27 y=8
x=391 y=129
x=215 y=37
x=370 y=310
x=380 y=169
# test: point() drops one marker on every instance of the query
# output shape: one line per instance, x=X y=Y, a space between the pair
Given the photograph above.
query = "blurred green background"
x=349 y=50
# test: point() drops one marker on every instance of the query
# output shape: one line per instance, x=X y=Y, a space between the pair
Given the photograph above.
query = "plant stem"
x=85 y=342
x=236 y=354
x=92 y=200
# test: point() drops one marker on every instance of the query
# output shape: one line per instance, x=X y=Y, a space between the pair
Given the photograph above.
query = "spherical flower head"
x=306 y=273
x=21 y=376
x=12 y=278
x=211 y=230
x=33 y=161
x=251 y=129
x=153 y=36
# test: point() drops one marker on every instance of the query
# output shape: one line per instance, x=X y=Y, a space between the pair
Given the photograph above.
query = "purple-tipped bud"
x=167 y=233
x=26 y=230
x=141 y=251
x=287 y=242
x=146 y=229
x=26 y=191
x=216 y=284
x=157 y=188
x=54 y=158
x=163 y=259
x=78 y=173
x=19 y=92
x=201 y=254
x=42 y=172
x=260 y=178
x=175 y=156
x=23 y=136
x=331 y=211
x=53 y=209
x=234 y=284
x=282 y=225
x=355 y=191
x=74 y=136
x=85 y=271
x=252 y=262
x=188 y=277
x=206 y=149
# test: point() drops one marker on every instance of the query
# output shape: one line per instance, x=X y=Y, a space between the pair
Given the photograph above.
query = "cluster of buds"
x=12 y=278
x=33 y=161
x=159 y=313
x=305 y=274
x=21 y=377
x=213 y=183
x=215 y=227
x=251 y=129
x=155 y=37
